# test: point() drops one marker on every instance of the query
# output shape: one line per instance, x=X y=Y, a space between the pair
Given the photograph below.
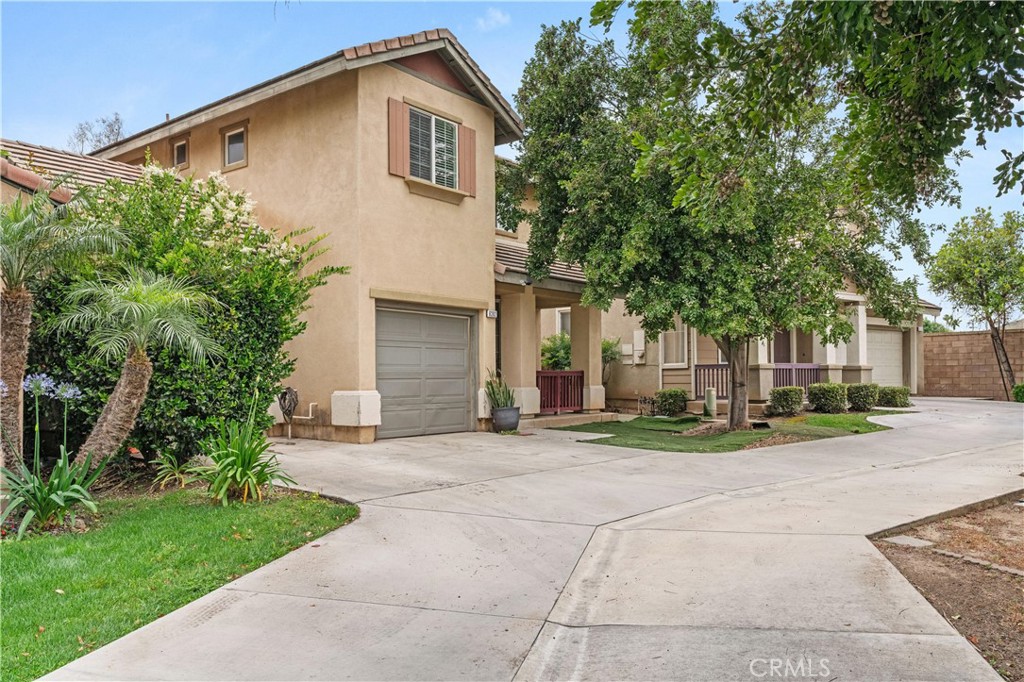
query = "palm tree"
x=37 y=236
x=126 y=316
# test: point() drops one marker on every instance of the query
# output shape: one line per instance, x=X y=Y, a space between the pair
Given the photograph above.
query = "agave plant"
x=241 y=464
x=48 y=501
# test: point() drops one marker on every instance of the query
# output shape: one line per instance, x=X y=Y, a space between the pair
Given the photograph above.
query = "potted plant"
x=504 y=413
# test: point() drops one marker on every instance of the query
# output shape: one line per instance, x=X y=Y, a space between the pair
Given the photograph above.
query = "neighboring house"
x=388 y=149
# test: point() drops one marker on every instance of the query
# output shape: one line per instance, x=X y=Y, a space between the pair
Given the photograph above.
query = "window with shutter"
x=433 y=149
x=420 y=148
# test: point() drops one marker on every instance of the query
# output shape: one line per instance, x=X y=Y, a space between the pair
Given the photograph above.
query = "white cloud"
x=492 y=19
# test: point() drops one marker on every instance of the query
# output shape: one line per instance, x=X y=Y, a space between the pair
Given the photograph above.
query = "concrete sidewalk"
x=488 y=557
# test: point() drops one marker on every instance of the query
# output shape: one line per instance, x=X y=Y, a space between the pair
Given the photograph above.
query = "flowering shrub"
x=203 y=230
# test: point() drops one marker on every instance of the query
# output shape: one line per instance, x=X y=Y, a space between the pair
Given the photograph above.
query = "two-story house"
x=388 y=148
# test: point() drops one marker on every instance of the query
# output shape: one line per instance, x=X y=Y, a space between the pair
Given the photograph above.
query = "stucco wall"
x=964 y=364
x=318 y=156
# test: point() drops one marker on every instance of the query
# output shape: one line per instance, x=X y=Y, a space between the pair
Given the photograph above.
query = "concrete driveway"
x=495 y=558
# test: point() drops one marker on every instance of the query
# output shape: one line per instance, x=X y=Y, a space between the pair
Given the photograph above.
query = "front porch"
x=520 y=302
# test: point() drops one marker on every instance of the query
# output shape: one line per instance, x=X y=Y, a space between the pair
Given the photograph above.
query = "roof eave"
x=511 y=127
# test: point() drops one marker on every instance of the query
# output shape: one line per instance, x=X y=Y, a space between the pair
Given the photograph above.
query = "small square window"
x=235 y=145
x=181 y=153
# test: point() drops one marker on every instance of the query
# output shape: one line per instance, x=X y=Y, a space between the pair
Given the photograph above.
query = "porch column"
x=824 y=355
x=857 y=370
x=761 y=378
x=519 y=348
x=585 y=337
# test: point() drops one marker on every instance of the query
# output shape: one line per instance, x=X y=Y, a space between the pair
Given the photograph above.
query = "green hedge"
x=1018 y=393
x=894 y=396
x=670 y=402
x=785 y=401
x=829 y=398
x=862 y=397
x=204 y=231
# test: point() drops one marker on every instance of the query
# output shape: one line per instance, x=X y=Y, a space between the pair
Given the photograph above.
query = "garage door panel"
x=446 y=388
x=423 y=370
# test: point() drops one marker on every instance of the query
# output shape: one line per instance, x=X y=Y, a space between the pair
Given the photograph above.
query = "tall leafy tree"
x=127 y=317
x=38 y=236
x=915 y=78
x=635 y=174
x=981 y=269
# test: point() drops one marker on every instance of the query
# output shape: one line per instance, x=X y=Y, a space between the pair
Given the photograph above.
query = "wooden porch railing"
x=796 y=374
x=716 y=376
x=560 y=391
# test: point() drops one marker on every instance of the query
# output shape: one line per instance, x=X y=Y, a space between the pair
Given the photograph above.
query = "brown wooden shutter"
x=398 y=137
x=467 y=160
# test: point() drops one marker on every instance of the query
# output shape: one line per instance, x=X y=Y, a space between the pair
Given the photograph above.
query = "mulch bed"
x=985 y=605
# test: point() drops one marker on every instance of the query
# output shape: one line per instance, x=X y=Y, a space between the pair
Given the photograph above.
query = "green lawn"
x=144 y=556
x=660 y=434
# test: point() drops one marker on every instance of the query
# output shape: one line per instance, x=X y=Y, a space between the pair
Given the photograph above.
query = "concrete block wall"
x=963 y=364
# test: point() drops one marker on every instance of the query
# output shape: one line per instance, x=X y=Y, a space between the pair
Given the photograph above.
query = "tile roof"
x=513 y=257
x=49 y=163
x=508 y=125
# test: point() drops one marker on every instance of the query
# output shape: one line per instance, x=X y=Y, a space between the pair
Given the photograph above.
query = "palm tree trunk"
x=15 y=322
x=118 y=416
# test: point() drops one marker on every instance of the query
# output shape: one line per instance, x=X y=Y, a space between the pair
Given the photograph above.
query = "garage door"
x=885 y=355
x=423 y=373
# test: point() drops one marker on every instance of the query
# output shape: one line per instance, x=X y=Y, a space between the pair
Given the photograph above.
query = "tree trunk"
x=118 y=416
x=15 y=322
x=1005 y=366
x=739 y=369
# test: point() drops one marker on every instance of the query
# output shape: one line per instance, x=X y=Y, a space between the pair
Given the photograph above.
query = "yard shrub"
x=785 y=401
x=828 y=398
x=670 y=401
x=241 y=464
x=202 y=230
x=556 y=352
x=862 y=397
x=1018 y=393
x=894 y=396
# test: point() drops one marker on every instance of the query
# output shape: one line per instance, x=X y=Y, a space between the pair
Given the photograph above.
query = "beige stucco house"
x=388 y=148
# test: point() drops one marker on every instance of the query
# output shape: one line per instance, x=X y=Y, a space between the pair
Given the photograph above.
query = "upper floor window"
x=235 y=144
x=433 y=149
x=180 y=153
x=435 y=153
x=673 y=345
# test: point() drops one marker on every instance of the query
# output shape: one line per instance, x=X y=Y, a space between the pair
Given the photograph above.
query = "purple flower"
x=38 y=384
x=66 y=392
x=3 y=388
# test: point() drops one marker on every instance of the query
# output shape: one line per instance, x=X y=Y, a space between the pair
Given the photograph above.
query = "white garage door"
x=885 y=355
x=423 y=373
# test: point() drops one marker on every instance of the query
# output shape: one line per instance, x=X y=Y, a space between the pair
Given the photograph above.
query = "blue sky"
x=63 y=63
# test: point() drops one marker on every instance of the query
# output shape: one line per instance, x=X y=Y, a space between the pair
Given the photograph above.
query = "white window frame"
x=680 y=329
x=558 y=320
x=174 y=153
x=434 y=118
x=245 y=146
